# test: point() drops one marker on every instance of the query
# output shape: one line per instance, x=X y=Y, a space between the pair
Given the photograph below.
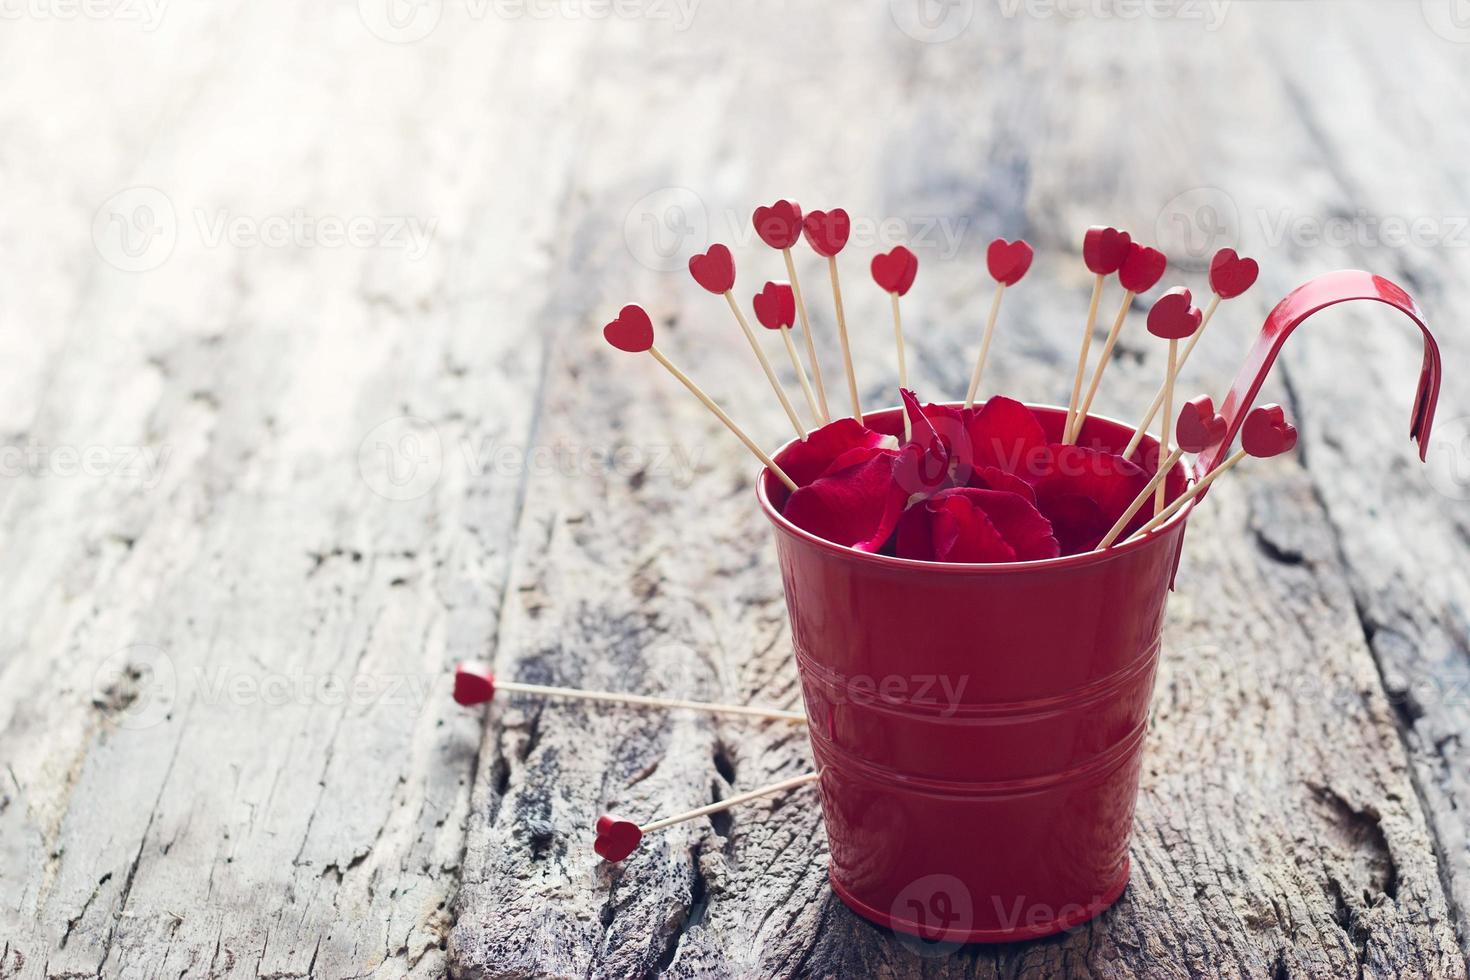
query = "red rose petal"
x=995 y=478
x=805 y=461
x=1104 y=480
x=980 y=526
x=857 y=507
x=963 y=532
x=1004 y=433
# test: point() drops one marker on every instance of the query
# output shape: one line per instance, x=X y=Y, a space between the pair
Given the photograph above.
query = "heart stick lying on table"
x=632 y=331
x=715 y=271
x=894 y=273
x=1173 y=318
x=827 y=232
x=1141 y=270
x=1230 y=275
x=616 y=839
x=1103 y=249
x=779 y=226
x=1266 y=433
x=474 y=683
x=775 y=308
x=1199 y=428
x=1006 y=262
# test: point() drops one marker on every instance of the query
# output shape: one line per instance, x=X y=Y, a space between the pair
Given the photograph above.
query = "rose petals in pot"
x=969 y=525
x=858 y=506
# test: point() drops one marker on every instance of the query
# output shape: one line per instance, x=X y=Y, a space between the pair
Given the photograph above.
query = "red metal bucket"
x=978 y=727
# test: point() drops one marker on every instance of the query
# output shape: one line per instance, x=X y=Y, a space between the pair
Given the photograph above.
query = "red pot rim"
x=968 y=568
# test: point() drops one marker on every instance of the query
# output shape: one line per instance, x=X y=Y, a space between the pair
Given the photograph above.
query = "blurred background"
x=304 y=400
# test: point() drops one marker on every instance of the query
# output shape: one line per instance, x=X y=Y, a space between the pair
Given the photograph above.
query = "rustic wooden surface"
x=330 y=472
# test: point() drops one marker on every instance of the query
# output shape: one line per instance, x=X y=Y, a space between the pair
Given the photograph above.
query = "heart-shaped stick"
x=1007 y=263
x=1173 y=317
x=1103 y=249
x=827 y=233
x=1198 y=428
x=616 y=839
x=1230 y=275
x=775 y=308
x=1141 y=270
x=894 y=273
x=715 y=271
x=1266 y=433
x=632 y=331
x=474 y=683
x=779 y=226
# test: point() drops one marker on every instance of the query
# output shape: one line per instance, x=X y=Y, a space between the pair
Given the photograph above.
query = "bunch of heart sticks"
x=956 y=482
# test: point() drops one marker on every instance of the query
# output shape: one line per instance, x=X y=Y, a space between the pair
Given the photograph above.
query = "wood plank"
x=1278 y=833
x=293 y=801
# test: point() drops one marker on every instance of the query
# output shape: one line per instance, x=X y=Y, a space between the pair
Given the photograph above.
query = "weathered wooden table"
x=305 y=400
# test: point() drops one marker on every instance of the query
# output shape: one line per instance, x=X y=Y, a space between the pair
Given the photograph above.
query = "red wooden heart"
x=473 y=683
x=1104 y=249
x=826 y=231
x=1199 y=426
x=775 y=305
x=1008 y=261
x=1267 y=433
x=714 y=270
x=1172 y=317
x=895 y=271
x=1142 y=269
x=779 y=225
x=1231 y=275
x=616 y=839
x=632 y=331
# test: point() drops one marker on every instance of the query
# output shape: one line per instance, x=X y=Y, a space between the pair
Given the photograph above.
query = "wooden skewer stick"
x=903 y=371
x=806 y=386
x=719 y=412
x=1166 y=427
x=1153 y=408
x=1072 y=403
x=733 y=801
x=1138 y=501
x=766 y=366
x=1000 y=291
x=806 y=329
x=1191 y=493
x=1085 y=405
x=857 y=408
x=754 y=711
